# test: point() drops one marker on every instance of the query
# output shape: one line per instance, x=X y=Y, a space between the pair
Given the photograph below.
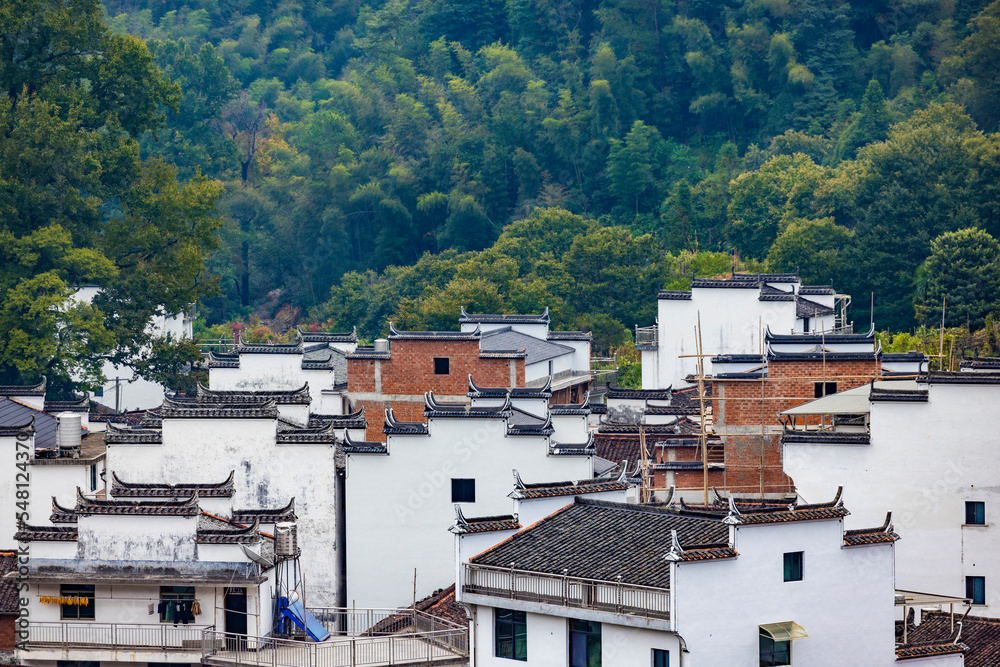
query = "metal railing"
x=223 y=344
x=420 y=647
x=358 y=622
x=113 y=636
x=647 y=336
x=566 y=591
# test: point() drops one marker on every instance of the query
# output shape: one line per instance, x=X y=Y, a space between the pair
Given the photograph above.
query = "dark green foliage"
x=355 y=138
x=962 y=276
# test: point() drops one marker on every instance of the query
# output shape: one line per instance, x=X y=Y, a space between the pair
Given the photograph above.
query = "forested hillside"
x=371 y=155
x=357 y=136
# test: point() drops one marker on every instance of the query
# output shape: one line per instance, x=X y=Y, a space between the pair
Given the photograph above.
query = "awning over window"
x=783 y=632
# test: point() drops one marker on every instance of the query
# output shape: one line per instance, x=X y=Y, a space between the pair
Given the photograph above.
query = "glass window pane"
x=661 y=657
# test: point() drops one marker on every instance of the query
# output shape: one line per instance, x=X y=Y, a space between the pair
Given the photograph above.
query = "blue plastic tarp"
x=302 y=618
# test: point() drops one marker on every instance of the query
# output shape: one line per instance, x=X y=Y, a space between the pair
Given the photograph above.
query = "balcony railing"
x=566 y=591
x=647 y=336
x=114 y=636
x=354 y=622
x=221 y=648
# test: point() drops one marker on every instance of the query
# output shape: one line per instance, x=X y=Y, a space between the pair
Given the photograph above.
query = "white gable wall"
x=731 y=322
x=399 y=506
x=924 y=462
x=844 y=601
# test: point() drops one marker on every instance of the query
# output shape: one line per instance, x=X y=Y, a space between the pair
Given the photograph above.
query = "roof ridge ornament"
x=670 y=495
x=676 y=553
x=733 y=518
x=518 y=482
x=624 y=471
x=460 y=519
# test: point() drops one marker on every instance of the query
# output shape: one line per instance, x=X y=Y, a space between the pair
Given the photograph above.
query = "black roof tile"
x=465 y=317
x=602 y=540
x=123 y=489
x=326 y=337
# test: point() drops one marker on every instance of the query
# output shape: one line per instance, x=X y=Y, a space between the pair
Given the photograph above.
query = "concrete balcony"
x=567 y=596
x=126 y=642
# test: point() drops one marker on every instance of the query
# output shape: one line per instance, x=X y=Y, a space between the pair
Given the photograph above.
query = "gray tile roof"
x=468 y=318
x=395 y=334
x=270 y=515
x=123 y=489
x=572 y=488
x=673 y=295
x=23 y=389
x=351 y=446
x=475 y=391
x=601 y=540
x=571 y=335
x=814 y=290
x=537 y=349
x=352 y=420
x=950 y=377
x=223 y=360
x=809 y=308
x=298 y=396
x=819 y=338
x=182 y=408
x=395 y=427
x=14 y=413
x=270 y=348
x=326 y=337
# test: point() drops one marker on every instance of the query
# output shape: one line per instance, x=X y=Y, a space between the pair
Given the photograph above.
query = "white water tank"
x=285 y=539
x=69 y=433
x=382 y=345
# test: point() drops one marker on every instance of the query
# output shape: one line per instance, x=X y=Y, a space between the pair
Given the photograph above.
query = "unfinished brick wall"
x=753 y=454
x=409 y=372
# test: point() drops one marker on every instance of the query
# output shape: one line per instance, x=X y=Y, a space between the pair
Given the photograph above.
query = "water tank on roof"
x=285 y=539
x=382 y=345
x=69 y=434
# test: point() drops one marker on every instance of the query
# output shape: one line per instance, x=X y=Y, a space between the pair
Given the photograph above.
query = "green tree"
x=78 y=200
x=812 y=248
x=962 y=274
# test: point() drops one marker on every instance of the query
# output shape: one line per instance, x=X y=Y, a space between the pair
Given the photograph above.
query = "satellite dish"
x=257 y=558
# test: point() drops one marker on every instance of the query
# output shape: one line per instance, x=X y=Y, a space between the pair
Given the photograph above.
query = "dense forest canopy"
x=398 y=159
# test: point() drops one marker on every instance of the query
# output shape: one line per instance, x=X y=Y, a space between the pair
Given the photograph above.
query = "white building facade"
x=399 y=494
x=928 y=450
x=611 y=584
x=734 y=313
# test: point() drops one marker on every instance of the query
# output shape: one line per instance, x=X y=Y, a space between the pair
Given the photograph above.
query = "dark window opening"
x=175 y=604
x=825 y=389
x=793 y=566
x=82 y=607
x=584 y=643
x=774 y=654
x=975 y=513
x=805 y=324
x=975 y=589
x=93 y=477
x=463 y=490
x=441 y=365
x=511 y=634
x=661 y=657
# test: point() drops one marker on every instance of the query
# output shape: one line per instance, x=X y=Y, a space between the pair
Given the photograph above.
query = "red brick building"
x=396 y=373
x=747 y=402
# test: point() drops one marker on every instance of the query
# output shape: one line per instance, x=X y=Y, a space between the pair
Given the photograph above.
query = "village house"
x=316 y=359
x=123 y=389
x=142 y=580
x=732 y=314
x=598 y=582
x=924 y=449
x=560 y=359
x=401 y=491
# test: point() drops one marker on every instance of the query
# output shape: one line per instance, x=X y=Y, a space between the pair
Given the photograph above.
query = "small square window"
x=793 y=566
x=822 y=389
x=441 y=365
x=772 y=653
x=975 y=513
x=82 y=605
x=975 y=589
x=463 y=490
x=661 y=657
